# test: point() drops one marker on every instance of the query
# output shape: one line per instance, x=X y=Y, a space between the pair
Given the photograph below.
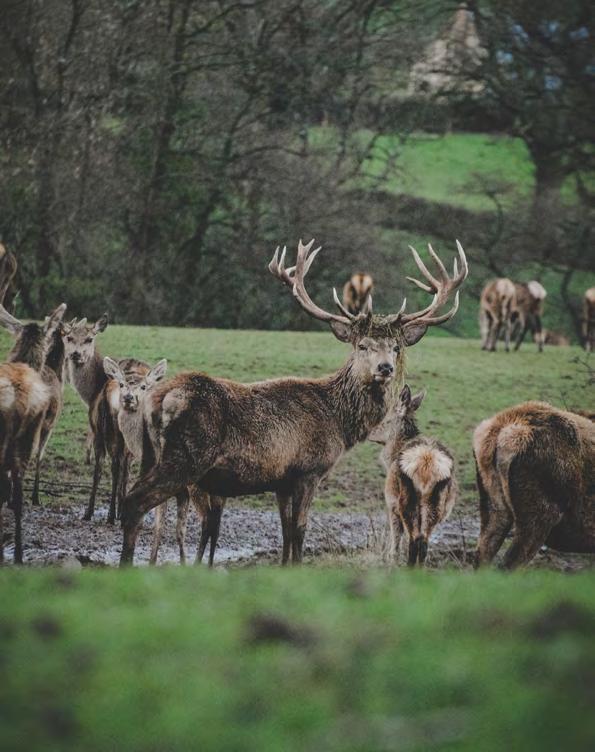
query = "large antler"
x=293 y=277
x=441 y=286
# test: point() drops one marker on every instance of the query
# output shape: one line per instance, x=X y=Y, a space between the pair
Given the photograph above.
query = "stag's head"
x=133 y=387
x=79 y=339
x=32 y=341
x=379 y=341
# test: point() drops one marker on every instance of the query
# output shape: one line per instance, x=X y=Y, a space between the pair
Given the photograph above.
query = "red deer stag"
x=553 y=339
x=8 y=270
x=495 y=307
x=87 y=375
x=420 y=489
x=527 y=311
x=282 y=435
x=589 y=320
x=25 y=398
x=357 y=291
x=535 y=471
x=133 y=391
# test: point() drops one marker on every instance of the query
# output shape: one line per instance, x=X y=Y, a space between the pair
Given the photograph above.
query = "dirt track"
x=55 y=533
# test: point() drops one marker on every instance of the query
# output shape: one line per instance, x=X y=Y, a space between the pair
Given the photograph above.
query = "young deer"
x=495 y=308
x=87 y=375
x=535 y=471
x=357 y=291
x=8 y=270
x=589 y=320
x=527 y=311
x=25 y=398
x=421 y=488
x=282 y=435
x=133 y=392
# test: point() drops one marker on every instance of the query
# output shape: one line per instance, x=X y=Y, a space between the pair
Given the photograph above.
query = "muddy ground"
x=56 y=534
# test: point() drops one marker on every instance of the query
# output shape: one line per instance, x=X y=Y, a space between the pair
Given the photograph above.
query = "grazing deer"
x=8 y=270
x=357 y=291
x=282 y=435
x=495 y=307
x=25 y=398
x=420 y=489
x=535 y=471
x=133 y=391
x=527 y=311
x=589 y=320
x=87 y=375
x=554 y=339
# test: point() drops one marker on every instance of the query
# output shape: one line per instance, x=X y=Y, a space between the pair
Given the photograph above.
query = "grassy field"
x=464 y=386
x=320 y=659
x=312 y=660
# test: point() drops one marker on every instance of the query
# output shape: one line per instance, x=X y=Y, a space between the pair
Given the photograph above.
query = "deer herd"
x=202 y=439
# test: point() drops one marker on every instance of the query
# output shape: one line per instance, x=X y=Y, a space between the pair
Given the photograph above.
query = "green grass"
x=449 y=169
x=316 y=659
x=464 y=386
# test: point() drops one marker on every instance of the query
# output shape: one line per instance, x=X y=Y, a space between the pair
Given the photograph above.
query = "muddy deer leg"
x=300 y=507
x=214 y=525
x=35 y=494
x=529 y=536
x=17 y=506
x=182 y=506
x=523 y=332
x=496 y=522
x=283 y=502
x=96 y=478
x=116 y=465
x=154 y=488
x=157 y=530
x=413 y=551
x=123 y=482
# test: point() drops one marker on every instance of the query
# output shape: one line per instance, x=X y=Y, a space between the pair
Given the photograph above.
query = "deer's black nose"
x=385 y=369
x=128 y=399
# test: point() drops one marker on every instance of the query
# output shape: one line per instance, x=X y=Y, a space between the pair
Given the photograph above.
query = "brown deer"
x=535 y=471
x=282 y=435
x=527 y=311
x=87 y=375
x=133 y=391
x=8 y=270
x=589 y=320
x=25 y=398
x=495 y=308
x=421 y=488
x=553 y=339
x=357 y=291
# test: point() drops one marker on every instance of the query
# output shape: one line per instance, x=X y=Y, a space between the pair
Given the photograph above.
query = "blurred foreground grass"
x=312 y=659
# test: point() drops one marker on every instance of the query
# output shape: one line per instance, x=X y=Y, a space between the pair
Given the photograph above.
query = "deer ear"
x=341 y=331
x=9 y=322
x=405 y=395
x=101 y=324
x=413 y=333
x=417 y=400
x=158 y=371
x=54 y=320
x=112 y=369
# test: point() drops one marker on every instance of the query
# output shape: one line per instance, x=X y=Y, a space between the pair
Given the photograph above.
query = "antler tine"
x=441 y=289
x=394 y=317
x=294 y=277
x=340 y=305
x=8 y=320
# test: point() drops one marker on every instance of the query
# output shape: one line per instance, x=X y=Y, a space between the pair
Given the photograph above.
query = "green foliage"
x=312 y=659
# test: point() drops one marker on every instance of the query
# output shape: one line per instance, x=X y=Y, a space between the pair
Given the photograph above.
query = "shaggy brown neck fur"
x=29 y=347
x=359 y=405
x=55 y=358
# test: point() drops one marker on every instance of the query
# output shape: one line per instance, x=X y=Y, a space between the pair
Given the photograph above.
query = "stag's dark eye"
x=69 y=339
x=396 y=348
x=143 y=387
x=88 y=340
x=121 y=385
x=362 y=347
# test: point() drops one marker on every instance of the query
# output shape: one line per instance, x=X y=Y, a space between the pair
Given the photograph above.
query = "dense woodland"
x=154 y=152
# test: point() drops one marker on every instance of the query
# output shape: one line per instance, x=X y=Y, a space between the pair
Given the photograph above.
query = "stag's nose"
x=76 y=356
x=385 y=369
x=128 y=399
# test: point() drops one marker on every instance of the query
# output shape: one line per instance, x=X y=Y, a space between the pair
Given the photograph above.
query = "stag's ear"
x=53 y=320
x=157 y=372
x=417 y=400
x=9 y=322
x=100 y=324
x=113 y=370
x=341 y=331
x=413 y=333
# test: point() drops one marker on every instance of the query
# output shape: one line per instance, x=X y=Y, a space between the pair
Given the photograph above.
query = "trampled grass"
x=464 y=386
x=317 y=659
